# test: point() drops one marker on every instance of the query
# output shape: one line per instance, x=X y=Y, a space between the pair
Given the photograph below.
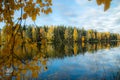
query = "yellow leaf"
x=39 y=1
x=33 y=17
x=24 y=15
x=50 y=10
x=99 y=2
x=107 y=4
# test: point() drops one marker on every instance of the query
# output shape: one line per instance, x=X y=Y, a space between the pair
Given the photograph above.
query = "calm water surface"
x=104 y=64
x=65 y=62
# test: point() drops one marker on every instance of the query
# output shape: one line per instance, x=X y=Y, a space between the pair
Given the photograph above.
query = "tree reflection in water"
x=28 y=62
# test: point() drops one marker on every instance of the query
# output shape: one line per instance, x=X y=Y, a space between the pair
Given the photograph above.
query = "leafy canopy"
x=27 y=8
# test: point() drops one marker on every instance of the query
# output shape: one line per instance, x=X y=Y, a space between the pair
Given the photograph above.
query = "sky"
x=82 y=13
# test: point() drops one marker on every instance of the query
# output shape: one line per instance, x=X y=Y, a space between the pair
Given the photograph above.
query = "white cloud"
x=89 y=15
x=94 y=18
x=82 y=2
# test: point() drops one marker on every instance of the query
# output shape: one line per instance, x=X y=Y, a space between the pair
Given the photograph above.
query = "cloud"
x=96 y=18
x=82 y=2
x=83 y=13
x=108 y=21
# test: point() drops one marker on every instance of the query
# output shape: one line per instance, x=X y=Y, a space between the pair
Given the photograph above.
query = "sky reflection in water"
x=103 y=64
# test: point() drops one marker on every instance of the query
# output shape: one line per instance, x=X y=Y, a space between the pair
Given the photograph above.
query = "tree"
x=42 y=35
x=75 y=34
x=98 y=36
x=50 y=34
x=0 y=37
x=27 y=8
x=93 y=35
x=29 y=32
x=13 y=24
x=66 y=36
x=38 y=34
x=89 y=36
x=33 y=34
x=108 y=35
x=59 y=34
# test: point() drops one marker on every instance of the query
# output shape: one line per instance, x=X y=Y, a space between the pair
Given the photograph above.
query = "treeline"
x=60 y=34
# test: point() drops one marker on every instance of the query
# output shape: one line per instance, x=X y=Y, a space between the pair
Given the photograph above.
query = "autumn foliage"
x=22 y=47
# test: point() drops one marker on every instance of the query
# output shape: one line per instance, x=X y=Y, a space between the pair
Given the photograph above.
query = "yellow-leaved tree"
x=42 y=36
x=50 y=34
x=75 y=34
x=13 y=13
x=27 y=8
x=99 y=36
x=107 y=35
x=89 y=36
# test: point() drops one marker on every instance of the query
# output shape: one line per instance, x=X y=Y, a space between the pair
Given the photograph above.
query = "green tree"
x=34 y=34
x=66 y=34
x=29 y=32
x=59 y=34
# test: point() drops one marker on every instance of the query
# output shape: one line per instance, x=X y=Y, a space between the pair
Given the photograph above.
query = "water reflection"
x=55 y=61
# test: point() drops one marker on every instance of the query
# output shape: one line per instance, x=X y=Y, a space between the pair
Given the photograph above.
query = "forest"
x=60 y=34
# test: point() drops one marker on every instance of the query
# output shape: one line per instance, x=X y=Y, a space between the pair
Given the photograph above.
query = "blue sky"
x=82 y=13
